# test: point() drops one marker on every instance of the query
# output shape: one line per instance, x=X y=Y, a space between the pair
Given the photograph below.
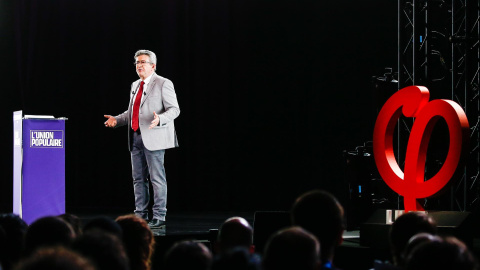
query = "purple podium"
x=38 y=166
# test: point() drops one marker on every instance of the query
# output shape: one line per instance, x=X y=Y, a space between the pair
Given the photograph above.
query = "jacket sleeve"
x=123 y=118
x=170 y=103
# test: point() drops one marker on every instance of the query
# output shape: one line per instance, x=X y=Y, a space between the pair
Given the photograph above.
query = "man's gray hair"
x=153 y=57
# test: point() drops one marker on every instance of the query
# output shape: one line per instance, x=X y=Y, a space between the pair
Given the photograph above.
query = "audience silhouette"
x=405 y=227
x=237 y=258
x=104 y=224
x=445 y=254
x=320 y=213
x=74 y=222
x=127 y=243
x=103 y=249
x=48 y=232
x=138 y=241
x=234 y=246
x=235 y=232
x=12 y=244
x=188 y=255
x=58 y=258
x=292 y=248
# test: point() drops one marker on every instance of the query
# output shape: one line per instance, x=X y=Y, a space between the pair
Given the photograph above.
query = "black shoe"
x=156 y=223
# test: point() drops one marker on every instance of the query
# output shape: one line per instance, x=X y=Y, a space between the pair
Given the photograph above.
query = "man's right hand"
x=111 y=122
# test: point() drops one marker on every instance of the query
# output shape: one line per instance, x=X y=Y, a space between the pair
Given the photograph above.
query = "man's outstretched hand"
x=111 y=122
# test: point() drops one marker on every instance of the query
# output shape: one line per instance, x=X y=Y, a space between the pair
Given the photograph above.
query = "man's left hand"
x=155 y=121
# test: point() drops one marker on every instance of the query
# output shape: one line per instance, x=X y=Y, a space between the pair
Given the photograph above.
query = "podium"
x=38 y=166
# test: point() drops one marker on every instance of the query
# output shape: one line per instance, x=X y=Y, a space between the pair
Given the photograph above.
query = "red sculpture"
x=412 y=101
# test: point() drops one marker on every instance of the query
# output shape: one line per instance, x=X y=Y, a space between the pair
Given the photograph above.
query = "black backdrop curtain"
x=270 y=92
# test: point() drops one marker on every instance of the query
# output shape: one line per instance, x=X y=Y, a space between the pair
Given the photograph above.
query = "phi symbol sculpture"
x=413 y=101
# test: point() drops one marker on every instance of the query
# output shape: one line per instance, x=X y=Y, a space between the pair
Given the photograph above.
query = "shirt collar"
x=147 y=80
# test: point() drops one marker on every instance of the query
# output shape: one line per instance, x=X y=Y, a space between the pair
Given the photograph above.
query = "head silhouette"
x=320 y=213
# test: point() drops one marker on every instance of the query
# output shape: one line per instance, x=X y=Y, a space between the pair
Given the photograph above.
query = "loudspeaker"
x=458 y=224
x=375 y=231
x=265 y=224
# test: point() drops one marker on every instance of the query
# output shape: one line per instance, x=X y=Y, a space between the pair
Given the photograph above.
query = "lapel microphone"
x=136 y=89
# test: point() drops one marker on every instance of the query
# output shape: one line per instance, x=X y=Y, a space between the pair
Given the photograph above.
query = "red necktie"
x=136 y=107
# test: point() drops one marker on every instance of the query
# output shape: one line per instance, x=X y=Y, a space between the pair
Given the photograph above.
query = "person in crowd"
x=74 y=221
x=105 y=224
x=418 y=239
x=150 y=119
x=188 y=255
x=103 y=249
x=447 y=254
x=292 y=248
x=320 y=213
x=12 y=245
x=237 y=258
x=406 y=226
x=46 y=232
x=3 y=246
x=58 y=258
x=234 y=246
x=138 y=241
x=403 y=229
x=234 y=232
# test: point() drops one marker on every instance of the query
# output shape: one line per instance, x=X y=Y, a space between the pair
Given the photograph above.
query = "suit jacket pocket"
x=162 y=126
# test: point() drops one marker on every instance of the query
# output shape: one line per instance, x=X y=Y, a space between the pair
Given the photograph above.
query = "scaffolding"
x=438 y=47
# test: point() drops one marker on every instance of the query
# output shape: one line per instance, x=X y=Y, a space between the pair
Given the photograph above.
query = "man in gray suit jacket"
x=149 y=117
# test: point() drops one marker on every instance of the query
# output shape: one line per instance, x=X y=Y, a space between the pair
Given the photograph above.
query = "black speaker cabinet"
x=374 y=232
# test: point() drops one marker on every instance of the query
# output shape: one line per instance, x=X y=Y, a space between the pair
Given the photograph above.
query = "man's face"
x=146 y=69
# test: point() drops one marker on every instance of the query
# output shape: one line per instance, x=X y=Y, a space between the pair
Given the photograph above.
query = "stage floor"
x=202 y=223
x=185 y=223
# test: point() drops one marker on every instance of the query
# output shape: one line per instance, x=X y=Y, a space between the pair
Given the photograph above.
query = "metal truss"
x=438 y=47
x=465 y=91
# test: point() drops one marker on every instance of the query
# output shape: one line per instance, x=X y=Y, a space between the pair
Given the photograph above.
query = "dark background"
x=271 y=92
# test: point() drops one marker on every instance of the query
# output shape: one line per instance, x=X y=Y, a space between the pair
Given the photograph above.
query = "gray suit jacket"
x=159 y=96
